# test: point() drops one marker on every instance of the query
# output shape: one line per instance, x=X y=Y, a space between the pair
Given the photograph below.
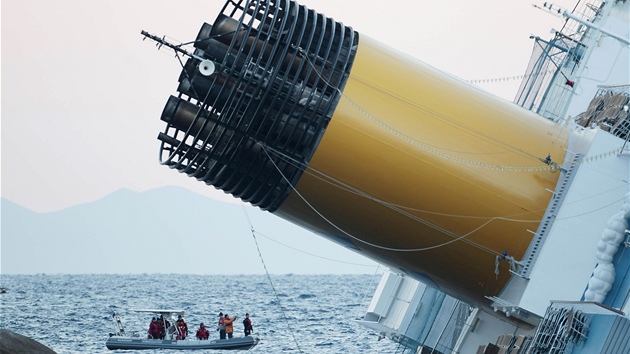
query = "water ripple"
x=72 y=313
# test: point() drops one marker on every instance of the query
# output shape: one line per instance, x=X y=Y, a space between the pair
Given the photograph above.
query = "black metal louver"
x=250 y=126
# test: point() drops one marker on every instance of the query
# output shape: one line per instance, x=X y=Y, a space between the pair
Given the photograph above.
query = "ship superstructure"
x=503 y=216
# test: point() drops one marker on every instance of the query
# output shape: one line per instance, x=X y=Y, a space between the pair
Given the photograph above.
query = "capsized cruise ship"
x=504 y=225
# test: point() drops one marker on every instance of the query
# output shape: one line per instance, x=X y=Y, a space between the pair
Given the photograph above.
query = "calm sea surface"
x=298 y=314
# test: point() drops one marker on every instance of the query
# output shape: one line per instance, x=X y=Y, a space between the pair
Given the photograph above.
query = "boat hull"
x=144 y=343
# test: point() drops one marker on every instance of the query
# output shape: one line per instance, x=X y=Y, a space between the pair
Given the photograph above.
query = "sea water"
x=290 y=313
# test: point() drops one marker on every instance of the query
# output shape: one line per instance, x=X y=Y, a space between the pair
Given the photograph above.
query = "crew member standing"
x=229 y=325
x=202 y=332
x=247 y=325
x=182 y=328
x=154 y=329
x=221 y=326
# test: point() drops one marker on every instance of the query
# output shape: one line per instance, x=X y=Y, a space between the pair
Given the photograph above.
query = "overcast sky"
x=82 y=93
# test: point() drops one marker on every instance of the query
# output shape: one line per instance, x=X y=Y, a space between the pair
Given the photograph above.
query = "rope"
x=275 y=293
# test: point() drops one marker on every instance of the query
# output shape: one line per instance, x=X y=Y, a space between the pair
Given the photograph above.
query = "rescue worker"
x=221 y=326
x=202 y=332
x=154 y=329
x=182 y=328
x=247 y=325
x=229 y=325
x=163 y=324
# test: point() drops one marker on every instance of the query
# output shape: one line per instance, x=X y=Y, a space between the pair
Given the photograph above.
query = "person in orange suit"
x=229 y=325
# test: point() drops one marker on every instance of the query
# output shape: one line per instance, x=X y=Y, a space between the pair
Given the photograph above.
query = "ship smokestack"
x=305 y=118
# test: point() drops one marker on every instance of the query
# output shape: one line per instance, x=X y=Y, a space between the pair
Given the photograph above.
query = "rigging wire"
x=314 y=255
x=425 y=146
x=343 y=186
x=509 y=78
x=553 y=167
x=401 y=210
x=436 y=227
x=439 y=152
x=367 y=289
x=218 y=35
x=275 y=293
x=431 y=113
x=593 y=210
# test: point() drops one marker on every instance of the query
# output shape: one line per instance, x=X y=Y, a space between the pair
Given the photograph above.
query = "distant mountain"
x=165 y=230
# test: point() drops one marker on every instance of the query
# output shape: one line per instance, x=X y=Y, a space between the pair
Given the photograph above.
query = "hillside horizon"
x=164 y=230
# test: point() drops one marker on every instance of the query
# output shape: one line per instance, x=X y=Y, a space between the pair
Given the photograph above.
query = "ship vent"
x=250 y=122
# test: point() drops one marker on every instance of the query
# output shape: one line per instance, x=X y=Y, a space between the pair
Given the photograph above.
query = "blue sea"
x=290 y=313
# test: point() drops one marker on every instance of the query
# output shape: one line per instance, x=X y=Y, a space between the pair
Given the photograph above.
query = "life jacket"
x=202 y=333
x=154 y=330
x=247 y=323
x=183 y=328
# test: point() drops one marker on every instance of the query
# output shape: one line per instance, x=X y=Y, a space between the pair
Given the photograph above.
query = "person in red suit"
x=202 y=332
x=247 y=325
x=182 y=328
x=154 y=329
